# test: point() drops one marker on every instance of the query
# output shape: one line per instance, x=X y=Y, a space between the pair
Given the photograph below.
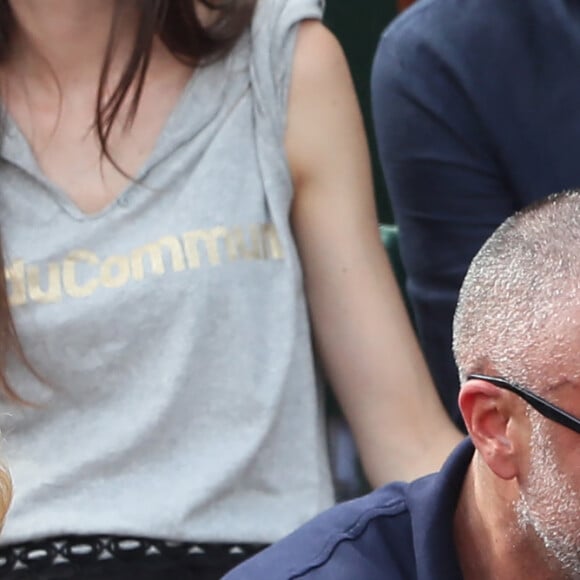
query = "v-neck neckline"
x=22 y=155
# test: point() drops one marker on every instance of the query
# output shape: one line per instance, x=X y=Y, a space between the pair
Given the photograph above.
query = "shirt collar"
x=432 y=502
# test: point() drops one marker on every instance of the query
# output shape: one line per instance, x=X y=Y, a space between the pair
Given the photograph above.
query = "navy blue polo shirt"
x=399 y=532
x=476 y=113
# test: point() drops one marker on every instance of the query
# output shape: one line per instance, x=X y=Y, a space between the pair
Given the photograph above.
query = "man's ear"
x=487 y=417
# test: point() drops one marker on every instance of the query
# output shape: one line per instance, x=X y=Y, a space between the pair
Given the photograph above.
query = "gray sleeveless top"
x=171 y=327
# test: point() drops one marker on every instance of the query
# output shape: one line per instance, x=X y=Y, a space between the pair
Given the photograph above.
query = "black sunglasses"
x=549 y=410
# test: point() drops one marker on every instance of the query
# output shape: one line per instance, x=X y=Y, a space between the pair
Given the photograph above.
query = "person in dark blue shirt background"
x=506 y=504
x=476 y=115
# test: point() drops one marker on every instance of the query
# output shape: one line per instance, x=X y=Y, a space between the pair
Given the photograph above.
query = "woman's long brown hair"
x=178 y=25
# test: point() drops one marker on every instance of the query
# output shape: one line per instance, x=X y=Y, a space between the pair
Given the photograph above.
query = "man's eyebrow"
x=550 y=387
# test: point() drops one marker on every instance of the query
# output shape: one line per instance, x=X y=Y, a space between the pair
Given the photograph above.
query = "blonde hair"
x=5 y=493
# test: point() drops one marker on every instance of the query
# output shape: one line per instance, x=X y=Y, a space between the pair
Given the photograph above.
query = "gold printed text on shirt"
x=82 y=272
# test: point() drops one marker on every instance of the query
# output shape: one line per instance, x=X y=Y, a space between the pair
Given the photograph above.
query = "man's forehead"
x=552 y=357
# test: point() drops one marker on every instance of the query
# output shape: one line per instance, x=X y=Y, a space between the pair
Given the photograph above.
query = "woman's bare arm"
x=363 y=335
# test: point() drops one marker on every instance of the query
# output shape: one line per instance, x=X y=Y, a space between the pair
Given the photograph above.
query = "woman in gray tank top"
x=184 y=191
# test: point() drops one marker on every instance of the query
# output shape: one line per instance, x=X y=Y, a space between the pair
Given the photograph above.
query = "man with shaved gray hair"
x=507 y=502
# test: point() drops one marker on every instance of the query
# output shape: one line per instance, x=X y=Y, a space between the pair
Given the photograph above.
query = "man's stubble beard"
x=549 y=507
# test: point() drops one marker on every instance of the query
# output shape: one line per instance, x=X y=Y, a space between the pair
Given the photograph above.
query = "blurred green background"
x=358 y=25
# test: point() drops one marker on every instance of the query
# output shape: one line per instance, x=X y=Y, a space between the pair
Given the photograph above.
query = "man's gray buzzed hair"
x=516 y=302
